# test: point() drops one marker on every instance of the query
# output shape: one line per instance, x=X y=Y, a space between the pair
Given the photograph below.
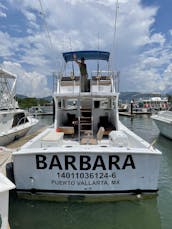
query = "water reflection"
x=146 y=128
x=136 y=214
x=165 y=181
x=44 y=120
x=152 y=213
x=143 y=126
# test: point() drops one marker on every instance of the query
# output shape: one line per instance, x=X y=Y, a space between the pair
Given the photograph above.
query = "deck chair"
x=91 y=140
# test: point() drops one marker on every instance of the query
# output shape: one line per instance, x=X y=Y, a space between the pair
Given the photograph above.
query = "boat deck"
x=57 y=140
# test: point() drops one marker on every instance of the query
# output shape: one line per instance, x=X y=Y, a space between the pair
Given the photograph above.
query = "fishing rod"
x=73 y=70
x=115 y=31
x=52 y=46
x=99 y=54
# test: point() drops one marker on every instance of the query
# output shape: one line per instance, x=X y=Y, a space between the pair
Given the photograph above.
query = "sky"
x=33 y=35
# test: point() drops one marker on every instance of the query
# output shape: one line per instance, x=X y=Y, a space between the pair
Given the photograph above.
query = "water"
x=44 y=120
x=152 y=213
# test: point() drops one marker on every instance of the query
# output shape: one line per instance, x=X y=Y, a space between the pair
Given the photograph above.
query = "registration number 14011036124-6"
x=86 y=175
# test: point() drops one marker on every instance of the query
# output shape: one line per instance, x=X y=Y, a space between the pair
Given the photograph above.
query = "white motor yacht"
x=14 y=123
x=163 y=121
x=88 y=152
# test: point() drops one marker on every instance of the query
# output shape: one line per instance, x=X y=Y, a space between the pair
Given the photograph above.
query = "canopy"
x=5 y=74
x=88 y=55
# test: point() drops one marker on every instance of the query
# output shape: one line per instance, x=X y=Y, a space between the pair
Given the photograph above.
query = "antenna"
x=48 y=33
x=115 y=29
x=42 y=12
x=98 y=50
x=73 y=70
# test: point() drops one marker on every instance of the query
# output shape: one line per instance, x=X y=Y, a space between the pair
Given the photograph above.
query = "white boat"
x=14 y=123
x=46 y=109
x=88 y=152
x=5 y=186
x=163 y=121
x=153 y=103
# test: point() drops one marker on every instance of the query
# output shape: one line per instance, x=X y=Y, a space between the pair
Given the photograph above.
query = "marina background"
x=154 y=213
x=140 y=46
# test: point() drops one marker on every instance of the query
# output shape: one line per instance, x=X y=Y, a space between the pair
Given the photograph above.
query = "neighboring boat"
x=88 y=152
x=5 y=186
x=163 y=121
x=14 y=123
x=46 y=109
x=36 y=110
x=153 y=104
x=122 y=107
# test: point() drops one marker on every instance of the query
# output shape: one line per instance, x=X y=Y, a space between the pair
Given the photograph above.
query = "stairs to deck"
x=85 y=120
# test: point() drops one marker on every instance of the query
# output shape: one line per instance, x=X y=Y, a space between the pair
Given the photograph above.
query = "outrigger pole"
x=73 y=70
x=98 y=59
x=115 y=28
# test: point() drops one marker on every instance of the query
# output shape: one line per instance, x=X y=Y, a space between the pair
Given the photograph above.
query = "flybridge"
x=88 y=55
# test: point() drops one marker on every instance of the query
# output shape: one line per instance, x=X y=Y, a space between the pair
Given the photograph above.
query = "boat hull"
x=16 y=132
x=8 y=138
x=5 y=187
x=86 y=173
x=165 y=128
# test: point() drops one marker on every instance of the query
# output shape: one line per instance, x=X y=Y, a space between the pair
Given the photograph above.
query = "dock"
x=142 y=112
x=128 y=114
x=41 y=113
x=5 y=157
x=6 y=152
x=134 y=113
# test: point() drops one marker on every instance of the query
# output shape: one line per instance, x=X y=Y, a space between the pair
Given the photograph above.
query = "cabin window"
x=70 y=103
x=19 y=119
x=59 y=104
x=96 y=104
x=105 y=104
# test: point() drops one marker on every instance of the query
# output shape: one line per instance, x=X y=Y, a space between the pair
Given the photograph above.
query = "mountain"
x=124 y=96
x=21 y=96
x=128 y=96
x=48 y=98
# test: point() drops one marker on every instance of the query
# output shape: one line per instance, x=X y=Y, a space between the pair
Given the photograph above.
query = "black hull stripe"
x=136 y=191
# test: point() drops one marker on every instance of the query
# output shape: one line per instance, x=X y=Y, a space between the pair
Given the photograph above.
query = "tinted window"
x=19 y=119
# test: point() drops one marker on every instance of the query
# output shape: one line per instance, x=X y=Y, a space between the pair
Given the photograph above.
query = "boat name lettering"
x=86 y=162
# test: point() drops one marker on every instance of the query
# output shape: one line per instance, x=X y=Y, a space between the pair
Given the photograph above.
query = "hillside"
x=26 y=102
x=128 y=96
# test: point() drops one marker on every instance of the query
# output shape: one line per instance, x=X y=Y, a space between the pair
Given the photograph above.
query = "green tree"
x=25 y=103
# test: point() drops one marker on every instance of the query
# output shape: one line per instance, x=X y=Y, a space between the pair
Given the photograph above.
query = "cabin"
x=82 y=113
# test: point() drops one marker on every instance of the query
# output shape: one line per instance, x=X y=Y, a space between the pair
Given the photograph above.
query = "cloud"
x=2 y=14
x=151 y=72
x=2 y=8
x=141 y=55
x=7 y=46
x=28 y=83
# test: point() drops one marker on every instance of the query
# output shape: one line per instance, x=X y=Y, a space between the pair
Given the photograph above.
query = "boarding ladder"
x=85 y=117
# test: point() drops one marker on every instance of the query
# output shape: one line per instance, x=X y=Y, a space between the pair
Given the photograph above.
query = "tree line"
x=30 y=102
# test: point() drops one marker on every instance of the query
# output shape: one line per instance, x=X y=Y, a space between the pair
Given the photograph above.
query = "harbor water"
x=153 y=213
